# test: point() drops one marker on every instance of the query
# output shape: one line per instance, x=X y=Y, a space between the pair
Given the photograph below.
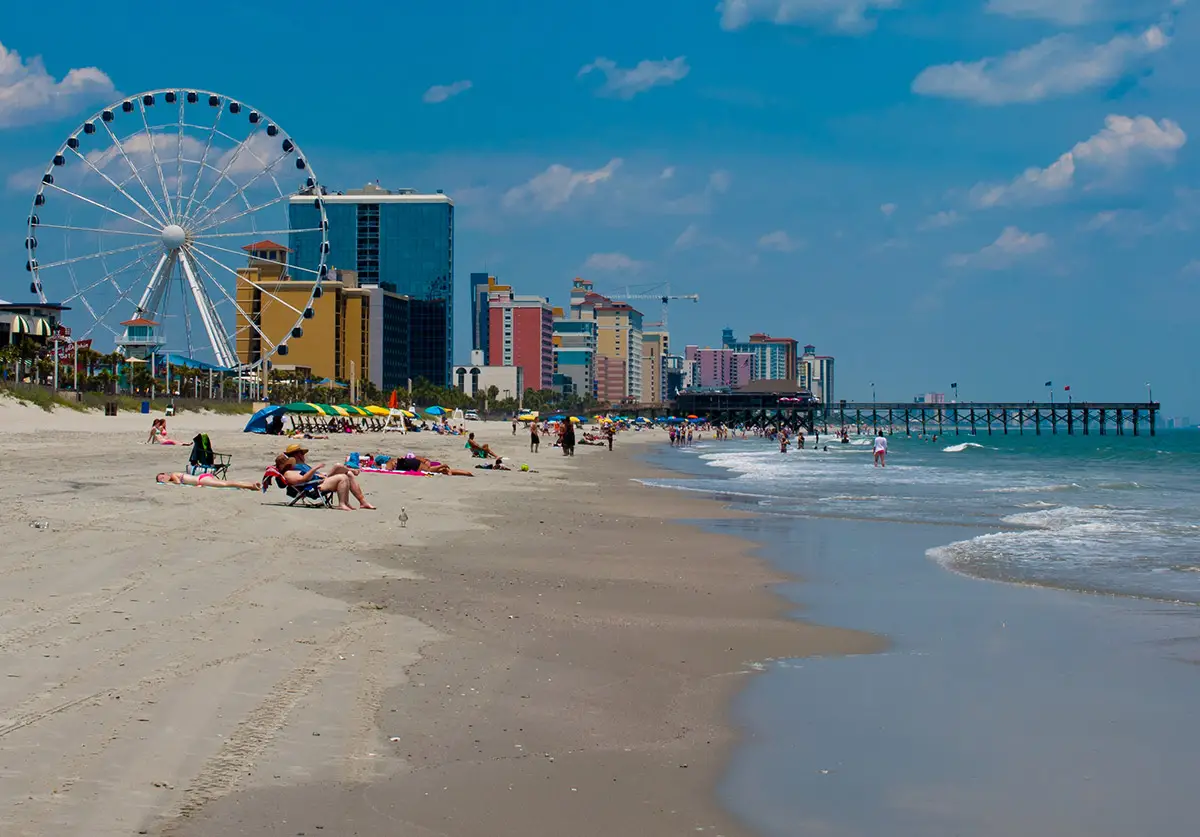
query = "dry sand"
x=533 y=654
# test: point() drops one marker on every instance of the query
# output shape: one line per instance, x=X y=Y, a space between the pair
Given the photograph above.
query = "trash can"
x=145 y=408
x=110 y=408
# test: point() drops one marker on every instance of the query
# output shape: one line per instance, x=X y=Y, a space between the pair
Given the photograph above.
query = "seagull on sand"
x=403 y=517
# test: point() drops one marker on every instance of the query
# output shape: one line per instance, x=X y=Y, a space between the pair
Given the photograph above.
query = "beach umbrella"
x=354 y=410
x=436 y=410
x=575 y=419
x=527 y=417
x=407 y=413
x=378 y=411
x=305 y=407
x=330 y=382
x=693 y=417
x=393 y=401
x=258 y=421
x=556 y=417
x=642 y=420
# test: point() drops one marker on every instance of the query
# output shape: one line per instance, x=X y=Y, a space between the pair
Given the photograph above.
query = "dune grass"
x=50 y=400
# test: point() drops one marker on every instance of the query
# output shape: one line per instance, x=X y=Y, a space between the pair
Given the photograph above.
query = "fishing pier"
x=781 y=411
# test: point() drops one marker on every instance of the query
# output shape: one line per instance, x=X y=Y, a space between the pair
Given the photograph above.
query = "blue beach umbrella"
x=258 y=421
x=556 y=417
x=436 y=411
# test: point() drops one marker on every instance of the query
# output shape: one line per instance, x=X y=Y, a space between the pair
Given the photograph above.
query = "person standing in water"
x=880 y=449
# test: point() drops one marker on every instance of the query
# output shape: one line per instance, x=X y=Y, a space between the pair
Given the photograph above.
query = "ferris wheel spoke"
x=99 y=255
x=162 y=178
x=239 y=191
x=134 y=170
x=42 y=225
x=284 y=265
x=247 y=211
x=243 y=233
x=225 y=354
x=122 y=296
x=237 y=308
x=236 y=275
x=80 y=292
x=114 y=184
x=179 y=158
x=222 y=174
x=105 y=207
x=212 y=133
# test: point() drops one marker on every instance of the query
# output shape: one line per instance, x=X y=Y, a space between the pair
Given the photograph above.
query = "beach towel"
x=403 y=473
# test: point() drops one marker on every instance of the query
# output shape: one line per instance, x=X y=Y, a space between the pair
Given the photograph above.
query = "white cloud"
x=1192 y=268
x=29 y=94
x=624 y=83
x=719 y=182
x=1012 y=245
x=557 y=185
x=441 y=92
x=687 y=239
x=1066 y=12
x=940 y=220
x=667 y=173
x=1122 y=143
x=779 y=241
x=613 y=261
x=847 y=16
x=1057 y=66
x=887 y=209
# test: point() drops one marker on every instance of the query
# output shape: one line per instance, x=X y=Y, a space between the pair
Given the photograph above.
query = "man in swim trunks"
x=205 y=480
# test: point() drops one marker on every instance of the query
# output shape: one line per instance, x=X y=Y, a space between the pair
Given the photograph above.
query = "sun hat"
x=294 y=449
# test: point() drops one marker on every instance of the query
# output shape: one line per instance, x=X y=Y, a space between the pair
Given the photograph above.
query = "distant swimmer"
x=880 y=449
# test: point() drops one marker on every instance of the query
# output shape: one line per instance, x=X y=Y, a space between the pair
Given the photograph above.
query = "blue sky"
x=993 y=192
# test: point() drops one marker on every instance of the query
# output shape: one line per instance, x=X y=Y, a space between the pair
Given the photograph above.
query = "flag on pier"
x=1049 y=383
x=1067 y=388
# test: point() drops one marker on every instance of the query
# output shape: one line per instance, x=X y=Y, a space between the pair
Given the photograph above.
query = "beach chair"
x=204 y=460
x=307 y=494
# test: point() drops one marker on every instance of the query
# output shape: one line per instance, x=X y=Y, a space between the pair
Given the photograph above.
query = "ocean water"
x=1117 y=515
x=1060 y=701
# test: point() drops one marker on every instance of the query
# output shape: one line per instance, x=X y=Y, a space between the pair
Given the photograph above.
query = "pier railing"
x=973 y=418
x=993 y=417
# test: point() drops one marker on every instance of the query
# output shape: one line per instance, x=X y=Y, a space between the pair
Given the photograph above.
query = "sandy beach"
x=541 y=653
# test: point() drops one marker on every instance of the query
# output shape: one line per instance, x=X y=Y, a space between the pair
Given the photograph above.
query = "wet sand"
x=534 y=653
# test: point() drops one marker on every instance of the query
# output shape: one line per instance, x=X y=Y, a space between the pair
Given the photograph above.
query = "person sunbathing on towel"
x=306 y=472
x=480 y=450
x=205 y=480
x=411 y=462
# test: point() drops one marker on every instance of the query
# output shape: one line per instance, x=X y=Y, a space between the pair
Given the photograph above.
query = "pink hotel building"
x=521 y=333
x=719 y=367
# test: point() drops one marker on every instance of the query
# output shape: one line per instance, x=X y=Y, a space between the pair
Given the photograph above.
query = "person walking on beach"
x=514 y=427
x=880 y=449
x=568 y=438
x=534 y=439
x=610 y=433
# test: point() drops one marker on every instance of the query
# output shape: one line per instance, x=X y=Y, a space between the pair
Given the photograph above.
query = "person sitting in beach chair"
x=297 y=453
x=311 y=487
x=204 y=481
x=480 y=451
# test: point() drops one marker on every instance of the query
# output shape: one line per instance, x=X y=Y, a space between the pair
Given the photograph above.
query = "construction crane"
x=664 y=298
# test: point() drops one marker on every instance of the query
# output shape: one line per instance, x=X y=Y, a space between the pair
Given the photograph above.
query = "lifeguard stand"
x=140 y=340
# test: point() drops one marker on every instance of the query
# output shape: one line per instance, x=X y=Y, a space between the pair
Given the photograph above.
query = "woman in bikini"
x=205 y=480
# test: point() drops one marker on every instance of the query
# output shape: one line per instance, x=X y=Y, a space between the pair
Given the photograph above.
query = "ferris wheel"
x=173 y=211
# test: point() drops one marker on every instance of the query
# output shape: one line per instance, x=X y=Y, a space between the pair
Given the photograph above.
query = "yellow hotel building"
x=334 y=341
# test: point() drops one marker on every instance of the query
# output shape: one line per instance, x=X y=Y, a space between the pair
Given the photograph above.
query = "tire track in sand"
x=223 y=772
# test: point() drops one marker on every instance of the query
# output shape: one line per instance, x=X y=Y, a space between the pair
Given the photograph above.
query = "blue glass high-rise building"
x=399 y=240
